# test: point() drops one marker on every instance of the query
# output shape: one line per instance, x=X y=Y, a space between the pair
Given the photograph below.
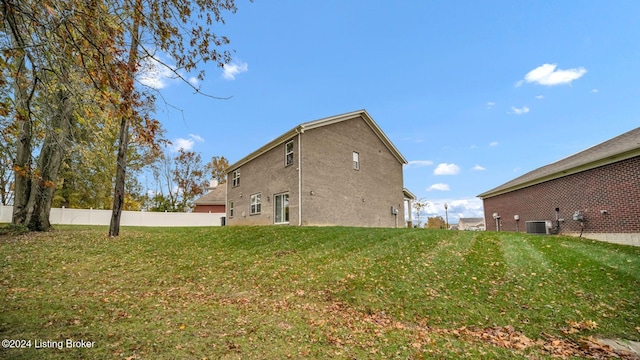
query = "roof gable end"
x=320 y=123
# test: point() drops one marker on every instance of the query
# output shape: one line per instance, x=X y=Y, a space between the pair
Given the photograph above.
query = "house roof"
x=470 y=221
x=408 y=194
x=214 y=197
x=619 y=148
x=319 y=123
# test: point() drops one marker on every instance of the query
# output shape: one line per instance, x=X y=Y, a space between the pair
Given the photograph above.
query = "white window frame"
x=256 y=204
x=356 y=160
x=282 y=216
x=231 y=209
x=235 y=178
x=288 y=161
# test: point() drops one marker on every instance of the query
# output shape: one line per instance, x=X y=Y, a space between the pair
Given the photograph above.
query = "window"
x=356 y=161
x=235 y=178
x=256 y=204
x=288 y=153
x=281 y=209
x=230 y=209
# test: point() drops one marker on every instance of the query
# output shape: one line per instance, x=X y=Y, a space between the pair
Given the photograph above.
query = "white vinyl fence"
x=129 y=218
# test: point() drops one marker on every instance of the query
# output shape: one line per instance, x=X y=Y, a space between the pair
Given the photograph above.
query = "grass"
x=278 y=292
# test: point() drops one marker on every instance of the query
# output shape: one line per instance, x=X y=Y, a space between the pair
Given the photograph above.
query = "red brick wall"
x=209 y=209
x=614 y=188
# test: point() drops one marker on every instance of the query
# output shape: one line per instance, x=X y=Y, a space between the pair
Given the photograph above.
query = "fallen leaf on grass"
x=577 y=326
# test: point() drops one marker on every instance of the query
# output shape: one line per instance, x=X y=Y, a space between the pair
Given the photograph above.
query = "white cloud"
x=465 y=208
x=154 y=74
x=439 y=187
x=490 y=104
x=457 y=208
x=519 y=111
x=493 y=143
x=479 y=168
x=594 y=90
x=229 y=71
x=446 y=169
x=196 y=137
x=419 y=163
x=547 y=74
x=184 y=144
x=158 y=72
x=194 y=81
x=540 y=97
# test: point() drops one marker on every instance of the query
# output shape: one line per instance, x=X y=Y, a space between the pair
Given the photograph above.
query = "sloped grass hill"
x=288 y=292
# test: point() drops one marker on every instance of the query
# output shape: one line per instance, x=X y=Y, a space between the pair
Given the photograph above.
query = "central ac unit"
x=538 y=227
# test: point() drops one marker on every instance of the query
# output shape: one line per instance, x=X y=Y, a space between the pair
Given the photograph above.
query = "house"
x=213 y=201
x=340 y=170
x=594 y=193
x=475 y=224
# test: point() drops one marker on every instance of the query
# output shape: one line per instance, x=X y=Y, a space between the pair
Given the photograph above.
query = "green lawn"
x=289 y=292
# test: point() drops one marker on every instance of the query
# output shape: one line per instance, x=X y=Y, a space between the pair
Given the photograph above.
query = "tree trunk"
x=22 y=162
x=121 y=168
x=49 y=162
x=123 y=140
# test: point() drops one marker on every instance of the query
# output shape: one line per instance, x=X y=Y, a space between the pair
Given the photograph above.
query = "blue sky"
x=473 y=93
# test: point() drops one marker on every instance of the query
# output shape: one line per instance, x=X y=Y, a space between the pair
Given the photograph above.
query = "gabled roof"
x=619 y=148
x=214 y=197
x=319 y=123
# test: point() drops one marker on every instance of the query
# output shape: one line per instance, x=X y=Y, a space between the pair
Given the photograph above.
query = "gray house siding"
x=332 y=192
x=336 y=194
x=268 y=176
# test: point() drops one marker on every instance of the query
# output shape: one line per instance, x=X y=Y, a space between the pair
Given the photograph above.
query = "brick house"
x=340 y=170
x=594 y=193
x=213 y=201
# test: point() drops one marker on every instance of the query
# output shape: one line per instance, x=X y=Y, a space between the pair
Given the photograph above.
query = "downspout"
x=299 y=176
x=226 y=203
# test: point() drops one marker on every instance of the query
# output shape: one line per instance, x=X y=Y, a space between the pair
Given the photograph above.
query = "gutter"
x=559 y=173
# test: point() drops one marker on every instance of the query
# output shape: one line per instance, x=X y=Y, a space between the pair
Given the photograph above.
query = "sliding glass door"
x=281 y=209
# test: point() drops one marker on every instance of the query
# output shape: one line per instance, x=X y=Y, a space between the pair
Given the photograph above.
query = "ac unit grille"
x=537 y=227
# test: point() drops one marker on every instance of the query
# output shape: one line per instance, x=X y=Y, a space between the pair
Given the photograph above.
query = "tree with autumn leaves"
x=73 y=63
x=180 y=178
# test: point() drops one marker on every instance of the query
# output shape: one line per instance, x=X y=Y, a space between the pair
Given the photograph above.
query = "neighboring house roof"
x=319 y=123
x=214 y=197
x=470 y=221
x=619 y=148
